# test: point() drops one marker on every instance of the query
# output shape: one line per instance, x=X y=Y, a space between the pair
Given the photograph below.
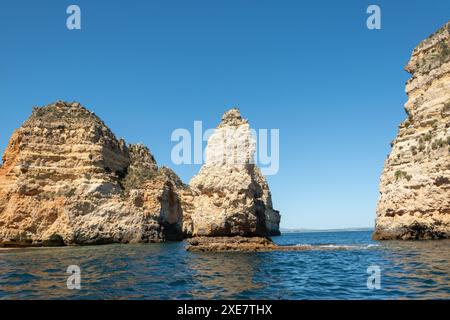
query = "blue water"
x=409 y=270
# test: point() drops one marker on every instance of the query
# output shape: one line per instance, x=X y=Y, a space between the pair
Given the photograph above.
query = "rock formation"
x=232 y=197
x=66 y=179
x=415 y=184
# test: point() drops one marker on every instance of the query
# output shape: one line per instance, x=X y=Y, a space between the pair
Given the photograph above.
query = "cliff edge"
x=415 y=183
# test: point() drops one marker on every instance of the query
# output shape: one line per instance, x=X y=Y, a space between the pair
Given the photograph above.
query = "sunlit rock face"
x=66 y=178
x=415 y=184
x=232 y=197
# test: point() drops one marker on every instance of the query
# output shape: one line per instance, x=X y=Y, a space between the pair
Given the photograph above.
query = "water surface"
x=409 y=270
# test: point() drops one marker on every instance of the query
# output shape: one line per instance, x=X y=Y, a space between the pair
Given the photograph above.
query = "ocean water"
x=409 y=270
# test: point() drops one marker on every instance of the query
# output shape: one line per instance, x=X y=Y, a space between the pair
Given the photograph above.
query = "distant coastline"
x=289 y=230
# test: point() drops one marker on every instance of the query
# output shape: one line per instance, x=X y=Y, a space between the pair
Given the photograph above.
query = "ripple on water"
x=414 y=270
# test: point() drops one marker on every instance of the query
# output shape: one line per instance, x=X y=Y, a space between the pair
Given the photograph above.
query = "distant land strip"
x=288 y=230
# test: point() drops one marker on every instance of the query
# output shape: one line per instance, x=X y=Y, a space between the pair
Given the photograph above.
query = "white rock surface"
x=232 y=197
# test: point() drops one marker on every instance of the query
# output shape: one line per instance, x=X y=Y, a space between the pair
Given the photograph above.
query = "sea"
x=352 y=267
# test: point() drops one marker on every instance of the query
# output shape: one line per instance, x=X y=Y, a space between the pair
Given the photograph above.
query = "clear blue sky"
x=310 y=68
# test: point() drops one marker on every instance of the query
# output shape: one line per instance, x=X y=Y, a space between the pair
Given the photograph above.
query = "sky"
x=312 y=69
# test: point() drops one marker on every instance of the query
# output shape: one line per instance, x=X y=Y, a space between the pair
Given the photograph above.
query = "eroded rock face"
x=66 y=176
x=231 y=196
x=415 y=184
x=66 y=180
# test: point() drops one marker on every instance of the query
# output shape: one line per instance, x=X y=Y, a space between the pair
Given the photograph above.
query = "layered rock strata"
x=415 y=184
x=66 y=179
x=232 y=197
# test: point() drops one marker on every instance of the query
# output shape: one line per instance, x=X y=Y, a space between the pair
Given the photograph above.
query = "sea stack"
x=232 y=197
x=415 y=184
x=66 y=179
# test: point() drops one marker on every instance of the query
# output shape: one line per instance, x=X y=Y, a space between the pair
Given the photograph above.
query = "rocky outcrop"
x=223 y=244
x=250 y=244
x=231 y=196
x=66 y=179
x=415 y=184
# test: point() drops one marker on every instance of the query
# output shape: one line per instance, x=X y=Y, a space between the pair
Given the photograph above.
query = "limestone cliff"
x=415 y=184
x=231 y=196
x=65 y=178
